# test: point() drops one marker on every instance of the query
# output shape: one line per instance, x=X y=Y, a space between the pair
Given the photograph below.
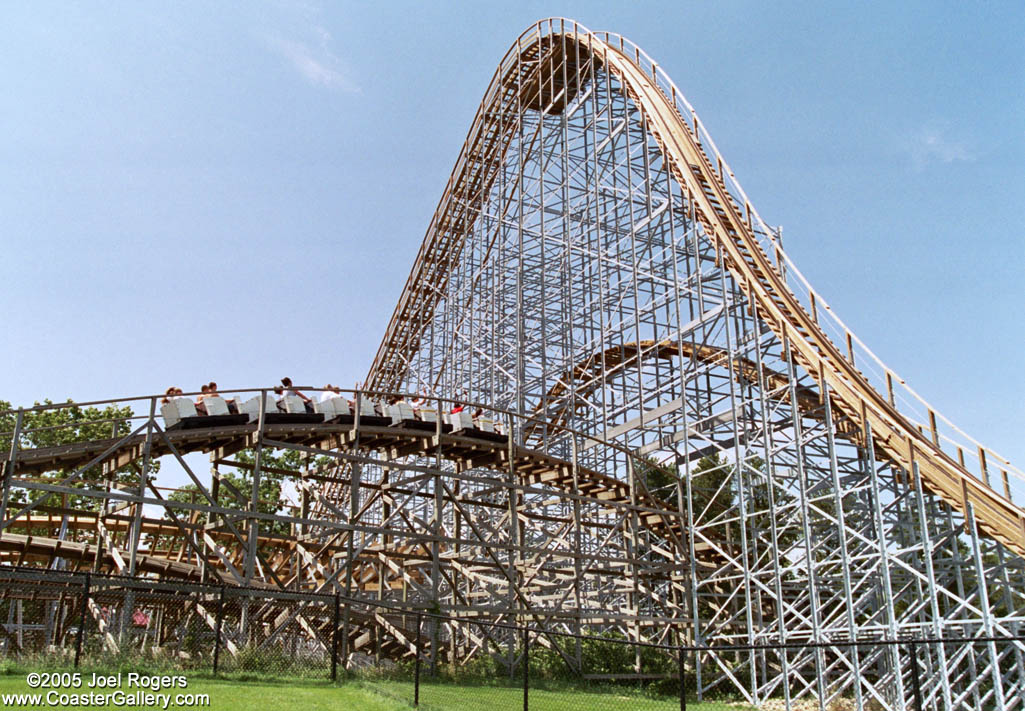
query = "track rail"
x=467 y=452
x=849 y=390
x=728 y=218
x=632 y=355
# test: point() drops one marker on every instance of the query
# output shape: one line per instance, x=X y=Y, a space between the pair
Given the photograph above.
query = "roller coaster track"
x=850 y=390
x=532 y=468
x=183 y=547
x=653 y=319
x=632 y=355
x=532 y=69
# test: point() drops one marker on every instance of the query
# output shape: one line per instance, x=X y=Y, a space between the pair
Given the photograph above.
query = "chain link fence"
x=57 y=620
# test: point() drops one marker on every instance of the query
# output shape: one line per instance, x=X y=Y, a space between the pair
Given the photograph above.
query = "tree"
x=270 y=500
x=707 y=478
x=67 y=424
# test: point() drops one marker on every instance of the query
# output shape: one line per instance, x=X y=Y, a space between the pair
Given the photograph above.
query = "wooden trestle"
x=166 y=553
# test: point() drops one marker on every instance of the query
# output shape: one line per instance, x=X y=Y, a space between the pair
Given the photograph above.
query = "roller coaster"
x=674 y=436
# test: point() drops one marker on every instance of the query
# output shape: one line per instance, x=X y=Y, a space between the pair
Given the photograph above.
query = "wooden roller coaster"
x=694 y=446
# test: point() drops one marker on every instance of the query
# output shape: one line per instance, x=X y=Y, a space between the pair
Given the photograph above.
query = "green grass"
x=380 y=695
x=252 y=696
x=462 y=697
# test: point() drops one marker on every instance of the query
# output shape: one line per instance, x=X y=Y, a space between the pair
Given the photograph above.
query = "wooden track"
x=466 y=451
x=587 y=374
x=317 y=618
x=46 y=548
x=895 y=439
x=850 y=391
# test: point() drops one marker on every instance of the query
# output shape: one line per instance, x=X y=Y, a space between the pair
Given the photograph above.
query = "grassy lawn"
x=453 y=697
x=249 y=696
x=263 y=695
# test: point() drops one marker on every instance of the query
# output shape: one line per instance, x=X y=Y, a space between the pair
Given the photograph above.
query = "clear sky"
x=236 y=191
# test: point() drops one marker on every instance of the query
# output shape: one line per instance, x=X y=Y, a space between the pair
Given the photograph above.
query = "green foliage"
x=659 y=479
x=713 y=488
x=64 y=425
x=707 y=490
x=236 y=484
x=483 y=669
x=600 y=654
x=276 y=660
x=67 y=425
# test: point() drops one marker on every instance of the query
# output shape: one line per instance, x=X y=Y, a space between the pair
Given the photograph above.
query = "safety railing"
x=989 y=467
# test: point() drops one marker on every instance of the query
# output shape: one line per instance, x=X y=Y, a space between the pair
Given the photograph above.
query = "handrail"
x=380 y=394
x=761 y=229
x=730 y=180
x=905 y=421
x=881 y=377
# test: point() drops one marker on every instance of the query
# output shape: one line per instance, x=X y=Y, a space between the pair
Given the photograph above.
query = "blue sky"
x=196 y=191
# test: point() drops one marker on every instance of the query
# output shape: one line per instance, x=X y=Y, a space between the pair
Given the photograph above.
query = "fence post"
x=915 y=683
x=334 y=641
x=220 y=621
x=683 y=691
x=82 y=618
x=416 y=673
x=526 y=668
